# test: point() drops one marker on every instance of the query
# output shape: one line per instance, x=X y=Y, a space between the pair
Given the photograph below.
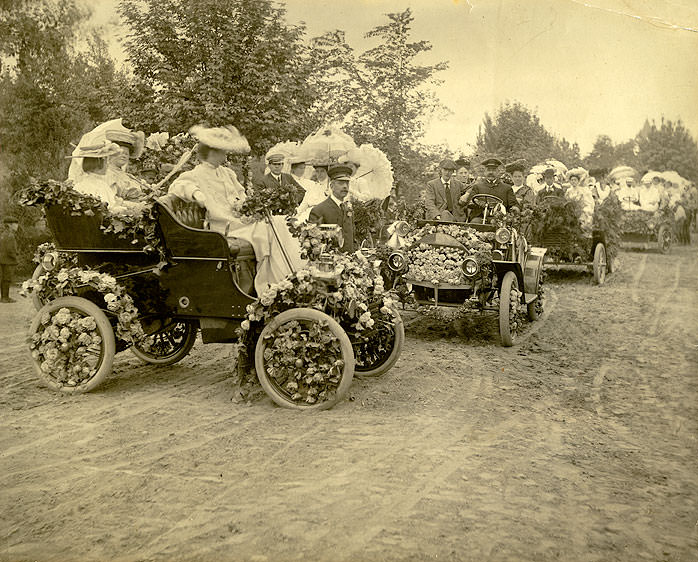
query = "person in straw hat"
x=214 y=186
x=314 y=193
x=92 y=177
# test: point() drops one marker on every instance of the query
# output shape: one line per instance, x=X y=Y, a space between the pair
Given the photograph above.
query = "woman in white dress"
x=314 y=192
x=582 y=195
x=216 y=187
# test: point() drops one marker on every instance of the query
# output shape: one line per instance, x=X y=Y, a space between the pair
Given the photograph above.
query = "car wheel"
x=168 y=345
x=508 y=309
x=298 y=345
x=600 y=264
x=377 y=355
x=79 y=366
x=664 y=239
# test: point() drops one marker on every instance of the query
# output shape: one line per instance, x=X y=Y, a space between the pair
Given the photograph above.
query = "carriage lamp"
x=402 y=228
x=49 y=261
x=497 y=255
x=470 y=267
x=502 y=236
x=397 y=261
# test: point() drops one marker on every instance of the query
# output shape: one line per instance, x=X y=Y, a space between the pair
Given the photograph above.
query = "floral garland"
x=608 y=217
x=137 y=224
x=314 y=240
x=61 y=346
x=77 y=281
x=410 y=211
x=351 y=292
x=560 y=220
x=369 y=219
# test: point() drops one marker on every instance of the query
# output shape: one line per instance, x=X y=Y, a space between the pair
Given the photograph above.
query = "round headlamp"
x=470 y=267
x=397 y=261
x=402 y=228
x=497 y=255
x=49 y=261
x=503 y=235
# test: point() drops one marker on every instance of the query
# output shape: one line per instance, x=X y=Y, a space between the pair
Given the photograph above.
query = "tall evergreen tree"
x=668 y=146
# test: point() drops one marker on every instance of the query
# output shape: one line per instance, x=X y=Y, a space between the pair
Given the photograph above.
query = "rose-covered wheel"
x=600 y=264
x=304 y=360
x=72 y=344
x=509 y=305
x=535 y=309
x=377 y=353
x=171 y=341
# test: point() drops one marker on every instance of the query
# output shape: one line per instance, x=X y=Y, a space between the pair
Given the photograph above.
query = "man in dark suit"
x=277 y=178
x=334 y=210
x=442 y=195
x=491 y=184
x=550 y=187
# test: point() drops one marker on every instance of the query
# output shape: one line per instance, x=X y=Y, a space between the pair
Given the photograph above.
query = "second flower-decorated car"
x=484 y=266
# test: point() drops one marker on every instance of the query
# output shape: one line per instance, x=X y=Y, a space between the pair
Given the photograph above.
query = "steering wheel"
x=488 y=202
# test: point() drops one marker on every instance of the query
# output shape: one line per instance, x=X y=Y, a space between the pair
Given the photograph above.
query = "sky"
x=586 y=68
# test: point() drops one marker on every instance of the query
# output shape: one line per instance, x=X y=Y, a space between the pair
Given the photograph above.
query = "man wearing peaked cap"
x=442 y=195
x=334 y=209
x=277 y=178
x=491 y=184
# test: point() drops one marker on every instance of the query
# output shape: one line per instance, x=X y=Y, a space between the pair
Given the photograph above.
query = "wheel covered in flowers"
x=304 y=360
x=72 y=344
x=509 y=309
x=169 y=342
x=376 y=353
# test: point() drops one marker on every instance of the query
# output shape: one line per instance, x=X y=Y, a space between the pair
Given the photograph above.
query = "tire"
x=274 y=389
x=170 y=344
x=36 y=300
x=664 y=239
x=106 y=348
x=384 y=362
x=505 y=332
x=600 y=264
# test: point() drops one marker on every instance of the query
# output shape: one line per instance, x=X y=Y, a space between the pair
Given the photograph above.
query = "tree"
x=218 y=62
x=50 y=92
x=381 y=96
x=602 y=155
x=516 y=132
x=668 y=146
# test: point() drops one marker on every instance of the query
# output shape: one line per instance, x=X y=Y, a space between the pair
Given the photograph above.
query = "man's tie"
x=449 y=199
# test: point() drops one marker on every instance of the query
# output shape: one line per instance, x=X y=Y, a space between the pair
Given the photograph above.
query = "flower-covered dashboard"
x=447 y=263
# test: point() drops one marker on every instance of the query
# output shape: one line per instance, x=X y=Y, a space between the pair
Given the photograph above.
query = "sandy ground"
x=580 y=443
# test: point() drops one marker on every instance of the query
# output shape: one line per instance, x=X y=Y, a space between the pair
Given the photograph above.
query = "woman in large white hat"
x=91 y=178
x=216 y=187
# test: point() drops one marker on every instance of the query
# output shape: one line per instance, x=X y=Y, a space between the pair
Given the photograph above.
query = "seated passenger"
x=131 y=144
x=650 y=195
x=216 y=187
x=491 y=184
x=93 y=180
x=550 y=187
x=627 y=194
x=583 y=196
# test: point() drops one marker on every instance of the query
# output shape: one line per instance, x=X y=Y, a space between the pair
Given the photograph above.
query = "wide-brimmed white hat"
x=97 y=150
x=135 y=139
x=226 y=138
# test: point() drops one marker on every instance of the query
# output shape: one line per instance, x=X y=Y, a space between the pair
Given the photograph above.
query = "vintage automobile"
x=557 y=228
x=478 y=266
x=197 y=281
x=647 y=230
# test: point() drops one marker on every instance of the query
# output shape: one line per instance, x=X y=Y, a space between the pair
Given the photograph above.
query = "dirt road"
x=580 y=444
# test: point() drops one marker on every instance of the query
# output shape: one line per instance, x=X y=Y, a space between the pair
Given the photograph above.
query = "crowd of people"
x=449 y=197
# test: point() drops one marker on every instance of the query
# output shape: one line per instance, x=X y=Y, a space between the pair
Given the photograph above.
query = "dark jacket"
x=268 y=180
x=328 y=212
x=8 y=247
x=498 y=189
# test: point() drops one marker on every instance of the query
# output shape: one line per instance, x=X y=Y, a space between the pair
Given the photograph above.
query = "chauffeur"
x=334 y=210
x=491 y=184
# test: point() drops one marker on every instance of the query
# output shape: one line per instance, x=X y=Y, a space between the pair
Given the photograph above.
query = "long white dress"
x=223 y=195
x=315 y=194
x=583 y=196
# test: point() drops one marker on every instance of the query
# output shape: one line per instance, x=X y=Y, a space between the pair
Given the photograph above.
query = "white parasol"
x=373 y=178
x=327 y=145
x=621 y=172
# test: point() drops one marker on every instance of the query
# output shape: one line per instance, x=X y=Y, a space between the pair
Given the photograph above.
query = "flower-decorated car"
x=647 y=229
x=483 y=266
x=151 y=283
x=577 y=236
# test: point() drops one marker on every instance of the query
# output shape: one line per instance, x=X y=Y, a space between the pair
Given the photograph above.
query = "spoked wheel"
x=377 y=354
x=304 y=360
x=72 y=344
x=535 y=309
x=509 y=302
x=170 y=343
x=600 y=264
x=664 y=239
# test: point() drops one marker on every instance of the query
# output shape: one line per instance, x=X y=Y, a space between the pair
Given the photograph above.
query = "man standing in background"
x=8 y=257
